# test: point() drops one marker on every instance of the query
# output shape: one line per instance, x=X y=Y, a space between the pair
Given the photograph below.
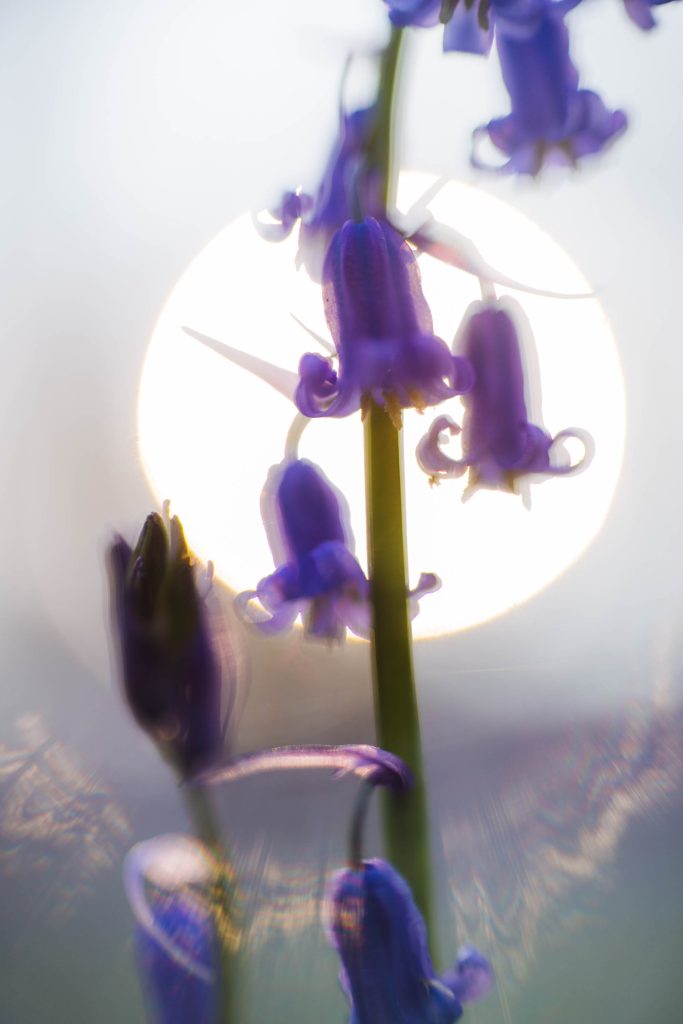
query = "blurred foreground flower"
x=171 y=675
x=552 y=120
x=381 y=939
x=319 y=577
x=167 y=881
x=499 y=444
x=382 y=328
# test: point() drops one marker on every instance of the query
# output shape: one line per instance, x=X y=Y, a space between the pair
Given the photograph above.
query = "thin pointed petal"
x=278 y=378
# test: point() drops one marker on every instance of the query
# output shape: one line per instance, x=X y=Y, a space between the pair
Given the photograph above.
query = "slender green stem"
x=208 y=830
x=405 y=819
x=380 y=147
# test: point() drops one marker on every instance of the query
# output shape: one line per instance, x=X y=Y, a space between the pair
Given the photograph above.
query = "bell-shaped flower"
x=171 y=675
x=552 y=120
x=499 y=444
x=386 y=969
x=317 y=577
x=348 y=184
x=382 y=328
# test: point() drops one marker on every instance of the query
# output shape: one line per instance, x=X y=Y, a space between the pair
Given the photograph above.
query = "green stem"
x=208 y=830
x=405 y=817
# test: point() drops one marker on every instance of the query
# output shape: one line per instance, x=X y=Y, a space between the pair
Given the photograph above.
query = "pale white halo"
x=209 y=431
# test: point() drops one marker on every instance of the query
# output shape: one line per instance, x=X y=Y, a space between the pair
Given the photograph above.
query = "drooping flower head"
x=552 y=120
x=468 y=24
x=386 y=969
x=348 y=184
x=171 y=675
x=499 y=444
x=382 y=328
x=319 y=577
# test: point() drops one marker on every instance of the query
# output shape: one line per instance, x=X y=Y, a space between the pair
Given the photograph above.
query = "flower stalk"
x=208 y=830
x=405 y=817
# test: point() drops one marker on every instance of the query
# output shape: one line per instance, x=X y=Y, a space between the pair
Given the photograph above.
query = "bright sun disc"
x=209 y=431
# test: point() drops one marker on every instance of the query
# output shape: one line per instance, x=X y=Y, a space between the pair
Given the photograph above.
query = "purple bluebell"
x=171 y=676
x=348 y=185
x=552 y=120
x=319 y=577
x=499 y=444
x=175 y=992
x=386 y=969
x=382 y=328
x=640 y=12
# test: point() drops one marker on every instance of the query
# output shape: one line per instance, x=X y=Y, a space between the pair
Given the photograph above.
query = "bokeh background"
x=133 y=132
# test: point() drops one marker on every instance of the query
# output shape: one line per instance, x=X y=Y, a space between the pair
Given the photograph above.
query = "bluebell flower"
x=319 y=577
x=499 y=444
x=171 y=676
x=552 y=120
x=176 y=994
x=640 y=12
x=382 y=329
x=468 y=24
x=386 y=969
x=348 y=184
x=175 y=936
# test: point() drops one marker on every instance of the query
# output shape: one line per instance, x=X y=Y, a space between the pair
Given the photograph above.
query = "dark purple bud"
x=382 y=328
x=171 y=675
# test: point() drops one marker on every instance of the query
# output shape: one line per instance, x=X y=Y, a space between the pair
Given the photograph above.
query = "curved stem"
x=405 y=817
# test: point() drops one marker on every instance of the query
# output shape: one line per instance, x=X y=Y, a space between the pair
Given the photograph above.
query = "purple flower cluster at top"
x=382 y=328
x=386 y=970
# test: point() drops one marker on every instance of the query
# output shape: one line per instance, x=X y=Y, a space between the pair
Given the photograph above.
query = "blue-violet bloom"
x=386 y=969
x=171 y=675
x=499 y=444
x=348 y=185
x=552 y=120
x=382 y=329
x=318 y=576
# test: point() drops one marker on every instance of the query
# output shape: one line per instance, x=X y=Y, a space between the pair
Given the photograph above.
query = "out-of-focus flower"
x=171 y=675
x=167 y=881
x=386 y=970
x=640 y=12
x=552 y=120
x=499 y=444
x=382 y=328
x=348 y=186
x=318 y=578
